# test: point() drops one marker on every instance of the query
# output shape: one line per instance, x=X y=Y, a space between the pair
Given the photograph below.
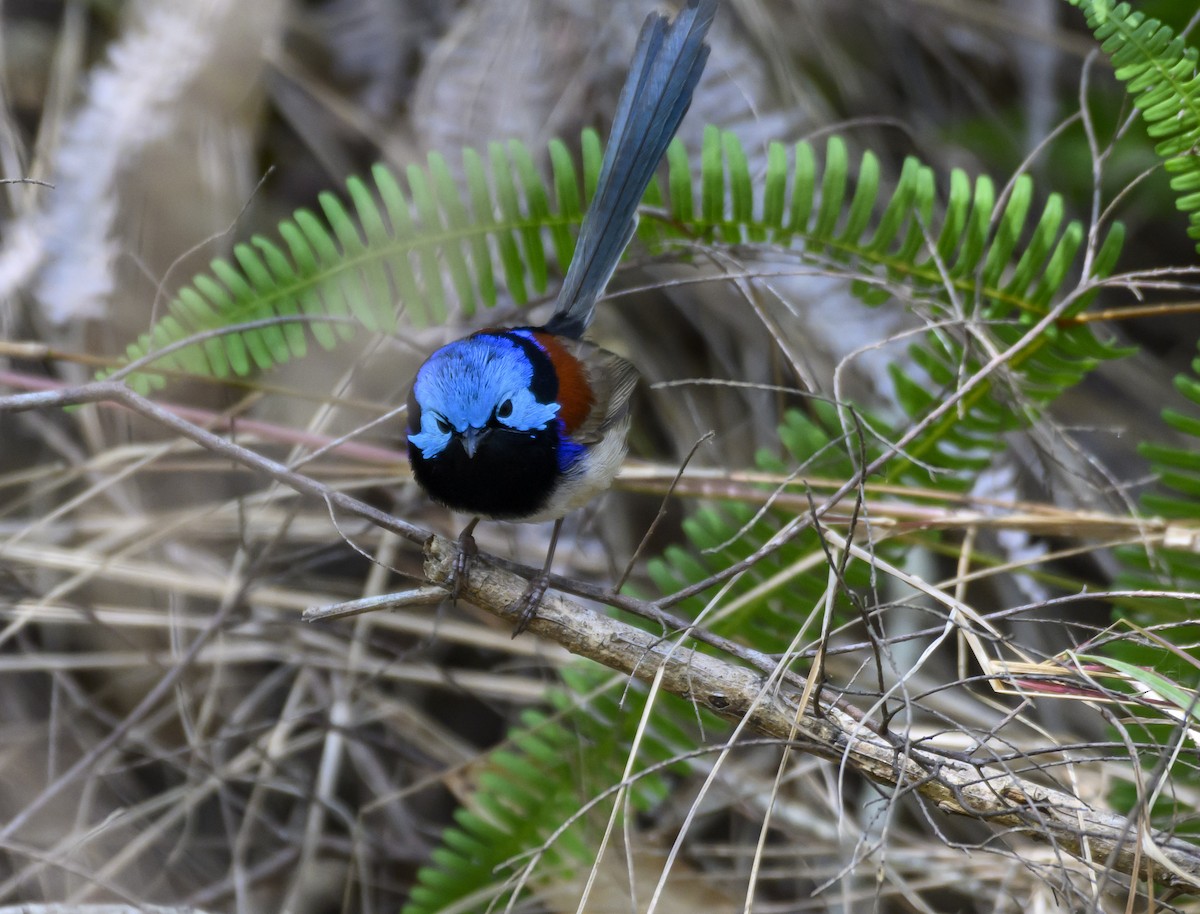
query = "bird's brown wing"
x=612 y=380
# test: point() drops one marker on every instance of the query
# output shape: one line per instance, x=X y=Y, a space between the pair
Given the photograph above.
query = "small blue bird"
x=529 y=423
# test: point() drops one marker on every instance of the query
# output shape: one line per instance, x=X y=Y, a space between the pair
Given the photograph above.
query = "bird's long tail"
x=666 y=66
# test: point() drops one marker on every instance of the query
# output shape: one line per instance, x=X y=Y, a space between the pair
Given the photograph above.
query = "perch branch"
x=734 y=692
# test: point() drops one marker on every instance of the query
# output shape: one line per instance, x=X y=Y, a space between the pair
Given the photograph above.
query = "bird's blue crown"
x=469 y=383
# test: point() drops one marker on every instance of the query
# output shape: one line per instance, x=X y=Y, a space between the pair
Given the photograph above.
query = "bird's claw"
x=527 y=606
x=467 y=550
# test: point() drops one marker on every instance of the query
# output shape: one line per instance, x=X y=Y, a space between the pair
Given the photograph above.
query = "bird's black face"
x=510 y=475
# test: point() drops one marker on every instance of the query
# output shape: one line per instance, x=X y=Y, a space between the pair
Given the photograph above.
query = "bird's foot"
x=527 y=606
x=467 y=550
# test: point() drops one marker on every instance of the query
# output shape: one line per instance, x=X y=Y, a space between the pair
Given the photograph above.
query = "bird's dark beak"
x=472 y=438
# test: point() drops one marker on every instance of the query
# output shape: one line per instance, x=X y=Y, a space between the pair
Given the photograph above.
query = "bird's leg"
x=532 y=598
x=467 y=550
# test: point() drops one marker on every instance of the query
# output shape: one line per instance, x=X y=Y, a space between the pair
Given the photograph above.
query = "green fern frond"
x=981 y=264
x=1173 y=565
x=1160 y=73
x=842 y=214
x=392 y=253
x=504 y=820
x=528 y=790
x=398 y=253
x=1177 y=497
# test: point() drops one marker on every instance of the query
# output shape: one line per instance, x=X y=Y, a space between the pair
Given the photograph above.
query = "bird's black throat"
x=511 y=476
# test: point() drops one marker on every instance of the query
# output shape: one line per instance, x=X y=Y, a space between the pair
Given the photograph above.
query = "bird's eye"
x=504 y=410
x=443 y=426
